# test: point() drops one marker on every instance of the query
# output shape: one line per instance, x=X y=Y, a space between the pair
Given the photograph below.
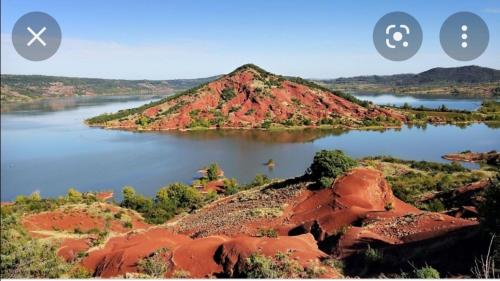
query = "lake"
x=427 y=101
x=47 y=148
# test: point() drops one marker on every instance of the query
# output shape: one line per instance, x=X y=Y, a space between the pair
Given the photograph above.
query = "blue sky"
x=198 y=38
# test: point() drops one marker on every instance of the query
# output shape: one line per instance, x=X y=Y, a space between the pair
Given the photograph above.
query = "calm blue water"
x=48 y=149
x=427 y=101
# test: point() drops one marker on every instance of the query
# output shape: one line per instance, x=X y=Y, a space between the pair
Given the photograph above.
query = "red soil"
x=70 y=247
x=121 y=254
x=78 y=218
x=359 y=209
x=104 y=195
x=201 y=258
x=351 y=198
x=258 y=97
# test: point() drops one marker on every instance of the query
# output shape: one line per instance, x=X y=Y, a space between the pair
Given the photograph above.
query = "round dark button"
x=397 y=36
x=36 y=36
x=464 y=36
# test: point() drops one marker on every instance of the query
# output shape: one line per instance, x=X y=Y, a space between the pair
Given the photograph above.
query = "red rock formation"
x=248 y=97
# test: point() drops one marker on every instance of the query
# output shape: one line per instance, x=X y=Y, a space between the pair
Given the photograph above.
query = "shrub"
x=373 y=256
x=30 y=259
x=155 y=265
x=143 y=120
x=213 y=171
x=135 y=201
x=182 y=195
x=330 y=164
x=279 y=266
x=338 y=265
x=267 y=232
x=426 y=272
x=326 y=182
x=79 y=272
x=227 y=94
x=230 y=186
x=266 y=124
x=489 y=210
x=260 y=180
x=74 y=196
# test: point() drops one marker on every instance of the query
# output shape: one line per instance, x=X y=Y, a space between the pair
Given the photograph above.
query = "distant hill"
x=250 y=97
x=28 y=87
x=466 y=80
x=463 y=74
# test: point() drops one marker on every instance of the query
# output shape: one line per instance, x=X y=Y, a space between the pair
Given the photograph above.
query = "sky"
x=170 y=39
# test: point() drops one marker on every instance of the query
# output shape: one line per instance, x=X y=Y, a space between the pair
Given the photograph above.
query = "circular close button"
x=36 y=36
x=397 y=36
x=464 y=36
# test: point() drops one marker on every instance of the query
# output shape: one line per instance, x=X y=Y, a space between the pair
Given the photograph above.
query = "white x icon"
x=36 y=36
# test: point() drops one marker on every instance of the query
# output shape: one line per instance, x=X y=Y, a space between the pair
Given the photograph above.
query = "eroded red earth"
x=255 y=98
x=359 y=207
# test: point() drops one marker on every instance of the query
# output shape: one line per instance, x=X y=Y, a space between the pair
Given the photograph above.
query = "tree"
x=213 y=171
x=74 y=196
x=330 y=164
x=135 y=201
x=182 y=196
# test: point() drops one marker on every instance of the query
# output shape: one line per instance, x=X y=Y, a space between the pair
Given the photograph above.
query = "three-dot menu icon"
x=464 y=36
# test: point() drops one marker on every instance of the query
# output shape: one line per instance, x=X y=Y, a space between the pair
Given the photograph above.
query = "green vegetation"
x=465 y=80
x=270 y=163
x=24 y=257
x=328 y=165
x=29 y=87
x=267 y=232
x=489 y=210
x=155 y=265
x=227 y=94
x=169 y=201
x=488 y=112
x=143 y=121
x=231 y=186
x=373 y=256
x=279 y=266
x=259 y=180
x=213 y=172
x=411 y=180
x=426 y=272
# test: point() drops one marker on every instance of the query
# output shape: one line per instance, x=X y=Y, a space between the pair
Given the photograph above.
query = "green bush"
x=24 y=257
x=213 y=171
x=143 y=120
x=227 y=94
x=489 y=210
x=282 y=265
x=330 y=164
x=267 y=232
x=326 y=182
x=169 y=201
x=266 y=124
x=260 y=180
x=74 y=196
x=135 y=201
x=426 y=272
x=373 y=256
x=183 y=196
x=155 y=265
x=230 y=186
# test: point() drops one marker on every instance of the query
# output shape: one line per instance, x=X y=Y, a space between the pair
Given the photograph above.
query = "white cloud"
x=492 y=10
x=195 y=59
x=86 y=58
